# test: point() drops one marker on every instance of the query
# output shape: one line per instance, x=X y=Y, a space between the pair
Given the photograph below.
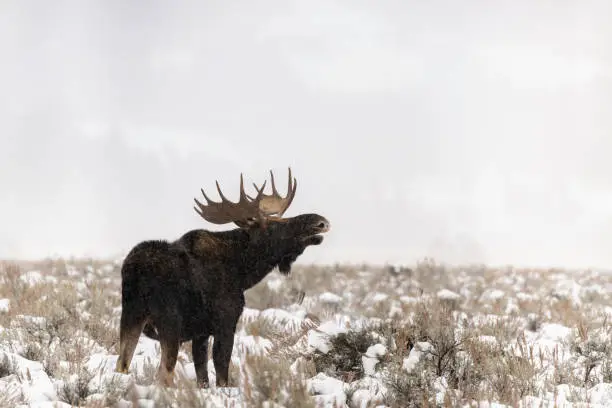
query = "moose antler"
x=263 y=207
x=275 y=203
x=227 y=211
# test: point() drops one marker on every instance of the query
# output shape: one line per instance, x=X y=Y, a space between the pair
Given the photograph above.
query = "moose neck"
x=258 y=257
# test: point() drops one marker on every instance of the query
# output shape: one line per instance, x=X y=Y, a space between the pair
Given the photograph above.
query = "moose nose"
x=323 y=226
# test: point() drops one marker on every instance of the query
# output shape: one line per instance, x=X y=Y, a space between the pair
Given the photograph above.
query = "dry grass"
x=269 y=380
x=478 y=345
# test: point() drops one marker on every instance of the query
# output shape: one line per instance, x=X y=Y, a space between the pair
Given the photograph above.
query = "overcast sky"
x=468 y=131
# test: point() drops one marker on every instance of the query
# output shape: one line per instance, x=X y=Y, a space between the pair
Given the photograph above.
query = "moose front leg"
x=222 y=354
x=199 y=349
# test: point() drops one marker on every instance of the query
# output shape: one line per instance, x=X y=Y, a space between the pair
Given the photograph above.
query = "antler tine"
x=258 y=189
x=291 y=195
x=208 y=200
x=242 y=193
x=223 y=198
x=195 y=207
x=291 y=189
x=261 y=190
x=274 y=191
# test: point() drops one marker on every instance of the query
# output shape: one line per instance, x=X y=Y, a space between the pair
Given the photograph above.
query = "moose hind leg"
x=130 y=328
x=169 y=352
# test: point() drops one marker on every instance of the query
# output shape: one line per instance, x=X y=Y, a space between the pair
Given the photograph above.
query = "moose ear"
x=249 y=223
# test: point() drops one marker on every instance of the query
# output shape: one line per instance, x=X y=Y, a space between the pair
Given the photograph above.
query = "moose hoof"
x=166 y=379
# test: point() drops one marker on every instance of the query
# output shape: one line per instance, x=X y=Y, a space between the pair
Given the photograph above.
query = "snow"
x=601 y=394
x=376 y=351
x=318 y=341
x=492 y=295
x=448 y=295
x=5 y=305
x=372 y=357
x=275 y=284
x=32 y=277
x=367 y=392
x=36 y=386
x=248 y=314
x=329 y=392
x=289 y=321
x=328 y=297
x=379 y=297
x=419 y=350
x=408 y=299
x=253 y=345
x=572 y=311
x=46 y=404
x=440 y=387
x=568 y=289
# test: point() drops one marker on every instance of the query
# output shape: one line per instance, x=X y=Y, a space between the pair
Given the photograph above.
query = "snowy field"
x=336 y=336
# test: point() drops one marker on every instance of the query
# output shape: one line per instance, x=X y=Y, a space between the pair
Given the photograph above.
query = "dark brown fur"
x=193 y=288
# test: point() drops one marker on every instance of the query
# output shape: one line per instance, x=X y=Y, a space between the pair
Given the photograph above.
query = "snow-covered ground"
x=337 y=336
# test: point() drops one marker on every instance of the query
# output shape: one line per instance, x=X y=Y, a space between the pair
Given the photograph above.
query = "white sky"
x=468 y=131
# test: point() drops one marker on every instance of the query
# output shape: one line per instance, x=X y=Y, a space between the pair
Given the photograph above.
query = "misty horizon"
x=468 y=133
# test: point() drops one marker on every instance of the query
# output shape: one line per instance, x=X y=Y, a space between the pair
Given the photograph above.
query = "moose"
x=193 y=288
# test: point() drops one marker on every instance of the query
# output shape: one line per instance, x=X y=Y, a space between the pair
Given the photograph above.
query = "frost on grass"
x=335 y=336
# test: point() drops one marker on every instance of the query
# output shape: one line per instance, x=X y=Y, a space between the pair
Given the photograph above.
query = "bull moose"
x=193 y=287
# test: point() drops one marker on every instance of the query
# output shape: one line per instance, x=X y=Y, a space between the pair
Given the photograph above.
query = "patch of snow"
x=253 y=344
x=568 y=289
x=31 y=277
x=601 y=394
x=512 y=307
x=332 y=328
x=5 y=305
x=395 y=310
x=415 y=355
x=492 y=340
x=71 y=270
x=492 y=295
x=369 y=364
x=10 y=388
x=330 y=401
x=35 y=384
x=318 y=341
x=147 y=347
x=283 y=319
x=367 y=392
x=554 y=332
x=408 y=300
x=46 y=404
x=318 y=338
x=330 y=389
x=27 y=320
x=448 y=295
x=51 y=279
x=488 y=404
x=379 y=297
x=440 y=386
x=377 y=350
x=249 y=314
x=526 y=297
x=274 y=284
x=328 y=297
x=108 y=268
